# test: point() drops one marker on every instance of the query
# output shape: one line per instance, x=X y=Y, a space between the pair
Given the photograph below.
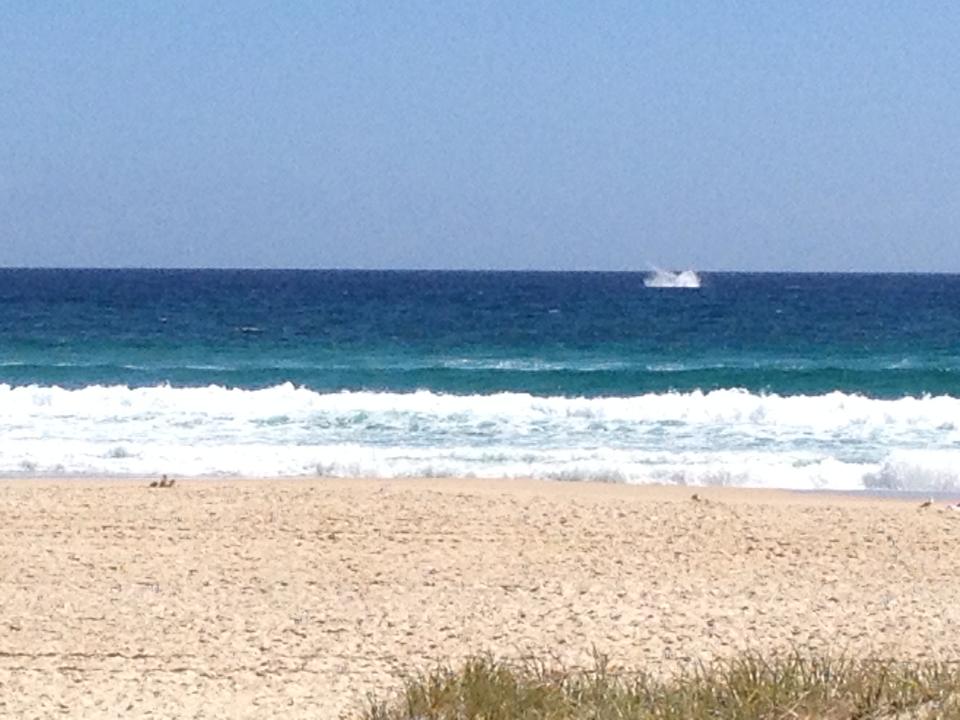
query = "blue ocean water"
x=831 y=381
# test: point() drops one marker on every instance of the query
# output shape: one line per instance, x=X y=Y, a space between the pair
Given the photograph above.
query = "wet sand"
x=296 y=598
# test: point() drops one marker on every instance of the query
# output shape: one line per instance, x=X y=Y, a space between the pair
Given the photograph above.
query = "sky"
x=722 y=135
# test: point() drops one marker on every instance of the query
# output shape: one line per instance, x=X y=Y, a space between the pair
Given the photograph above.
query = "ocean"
x=806 y=381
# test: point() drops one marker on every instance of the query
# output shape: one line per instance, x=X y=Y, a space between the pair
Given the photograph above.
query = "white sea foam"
x=726 y=437
x=527 y=365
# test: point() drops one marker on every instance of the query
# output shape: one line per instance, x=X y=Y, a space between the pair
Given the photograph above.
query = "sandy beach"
x=297 y=598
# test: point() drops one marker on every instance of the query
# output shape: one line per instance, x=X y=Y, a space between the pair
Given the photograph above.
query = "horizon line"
x=227 y=268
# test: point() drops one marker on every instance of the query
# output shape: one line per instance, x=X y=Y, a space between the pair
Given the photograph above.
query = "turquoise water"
x=567 y=334
x=838 y=381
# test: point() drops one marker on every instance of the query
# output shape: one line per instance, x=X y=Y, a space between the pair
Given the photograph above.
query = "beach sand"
x=297 y=598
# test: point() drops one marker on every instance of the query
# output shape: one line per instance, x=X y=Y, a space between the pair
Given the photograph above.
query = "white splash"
x=669 y=279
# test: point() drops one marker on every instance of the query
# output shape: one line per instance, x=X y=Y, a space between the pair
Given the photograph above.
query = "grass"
x=745 y=688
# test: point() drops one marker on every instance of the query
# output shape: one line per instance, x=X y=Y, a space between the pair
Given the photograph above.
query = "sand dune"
x=253 y=598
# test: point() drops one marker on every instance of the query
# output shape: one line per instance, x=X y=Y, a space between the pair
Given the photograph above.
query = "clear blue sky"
x=551 y=135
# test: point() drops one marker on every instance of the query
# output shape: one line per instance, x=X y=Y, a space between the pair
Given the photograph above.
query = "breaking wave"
x=833 y=441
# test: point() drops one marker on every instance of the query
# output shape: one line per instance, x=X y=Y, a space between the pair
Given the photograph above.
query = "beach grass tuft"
x=745 y=688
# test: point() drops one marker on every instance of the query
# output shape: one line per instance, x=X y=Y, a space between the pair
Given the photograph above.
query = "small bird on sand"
x=926 y=504
x=164 y=482
x=154 y=484
x=695 y=497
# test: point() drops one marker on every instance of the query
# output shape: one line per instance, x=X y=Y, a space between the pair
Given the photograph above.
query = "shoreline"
x=895 y=495
x=297 y=597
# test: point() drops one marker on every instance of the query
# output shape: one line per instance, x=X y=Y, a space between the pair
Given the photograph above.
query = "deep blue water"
x=567 y=334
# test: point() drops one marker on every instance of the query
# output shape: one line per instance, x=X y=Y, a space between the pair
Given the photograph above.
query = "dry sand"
x=295 y=599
